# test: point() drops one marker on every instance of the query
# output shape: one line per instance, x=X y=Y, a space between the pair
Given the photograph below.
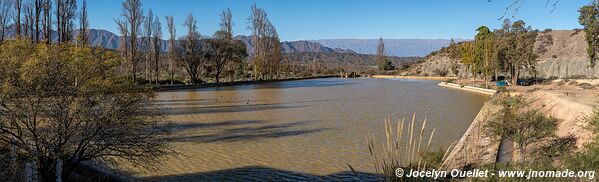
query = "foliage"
x=524 y=128
x=65 y=102
x=386 y=65
x=589 y=19
x=588 y=157
x=467 y=53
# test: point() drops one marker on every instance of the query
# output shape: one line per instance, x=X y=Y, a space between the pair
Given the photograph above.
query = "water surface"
x=299 y=130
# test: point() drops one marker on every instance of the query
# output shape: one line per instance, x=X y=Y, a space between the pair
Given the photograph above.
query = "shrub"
x=408 y=153
x=523 y=128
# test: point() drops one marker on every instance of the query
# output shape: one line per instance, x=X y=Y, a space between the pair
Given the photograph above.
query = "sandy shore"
x=437 y=78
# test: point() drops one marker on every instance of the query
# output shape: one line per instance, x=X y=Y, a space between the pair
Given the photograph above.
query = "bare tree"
x=124 y=44
x=225 y=50
x=83 y=25
x=133 y=17
x=170 y=22
x=5 y=16
x=157 y=47
x=226 y=23
x=195 y=54
x=65 y=13
x=47 y=21
x=147 y=42
x=59 y=19
x=267 y=48
x=17 y=16
x=28 y=13
x=38 y=7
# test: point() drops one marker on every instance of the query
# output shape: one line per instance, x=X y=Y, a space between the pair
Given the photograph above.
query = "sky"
x=359 y=19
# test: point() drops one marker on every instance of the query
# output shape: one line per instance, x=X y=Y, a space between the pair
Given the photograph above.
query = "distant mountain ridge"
x=300 y=51
x=294 y=46
x=395 y=47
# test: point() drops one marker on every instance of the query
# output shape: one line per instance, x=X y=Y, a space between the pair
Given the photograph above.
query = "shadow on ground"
x=259 y=173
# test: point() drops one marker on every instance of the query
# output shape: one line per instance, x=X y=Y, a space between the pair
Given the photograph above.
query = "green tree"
x=386 y=65
x=516 y=49
x=484 y=51
x=65 y=103
x=589 y=19
x=468 y=55
x=381 y=57
x=524 y=128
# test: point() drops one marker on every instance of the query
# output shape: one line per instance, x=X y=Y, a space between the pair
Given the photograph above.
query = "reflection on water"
x=299 y=130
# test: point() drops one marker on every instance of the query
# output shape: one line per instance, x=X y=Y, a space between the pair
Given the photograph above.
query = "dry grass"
x=398 y=151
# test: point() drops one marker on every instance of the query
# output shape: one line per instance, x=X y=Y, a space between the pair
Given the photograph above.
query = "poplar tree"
x=589 y=19
x=130 y=28
x=170 y=22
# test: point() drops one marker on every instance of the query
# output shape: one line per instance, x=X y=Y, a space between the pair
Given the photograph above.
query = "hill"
x=562 y=54
x=395 y=47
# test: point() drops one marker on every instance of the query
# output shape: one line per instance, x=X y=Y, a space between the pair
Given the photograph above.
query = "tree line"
x=197 y=54
x=509 y=49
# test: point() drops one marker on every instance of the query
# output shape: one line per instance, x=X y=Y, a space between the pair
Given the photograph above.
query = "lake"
x=300 y=130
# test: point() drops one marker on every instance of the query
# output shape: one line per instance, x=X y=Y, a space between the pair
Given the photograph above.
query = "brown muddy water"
x=299 y=130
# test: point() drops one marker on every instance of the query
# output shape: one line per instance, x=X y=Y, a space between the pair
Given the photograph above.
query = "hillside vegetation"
x=561 y=54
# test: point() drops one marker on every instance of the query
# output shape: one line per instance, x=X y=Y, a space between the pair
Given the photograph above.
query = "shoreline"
x=435 y=78
x=163 y=88
x=489 y=92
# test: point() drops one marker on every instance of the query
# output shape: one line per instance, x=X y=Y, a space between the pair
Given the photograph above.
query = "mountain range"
x=338 y=51
x=394 y=47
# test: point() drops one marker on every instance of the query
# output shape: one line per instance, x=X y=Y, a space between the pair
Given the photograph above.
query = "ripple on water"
x=299 y=131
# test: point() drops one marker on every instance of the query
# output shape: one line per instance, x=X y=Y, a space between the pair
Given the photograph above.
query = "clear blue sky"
x=330 y=19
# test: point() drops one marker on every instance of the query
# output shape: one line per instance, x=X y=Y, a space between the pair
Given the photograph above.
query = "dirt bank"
x=475 y=147
x=569 y=103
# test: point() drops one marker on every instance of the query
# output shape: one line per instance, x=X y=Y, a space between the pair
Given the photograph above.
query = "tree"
x=467 y=53
x=76 y=108
x=47 y=21
x=381 y=58
x=147 y=42
x=39 y=4
x=516 y=49
x=524 y=128
x=170 y=22
x=225 y=50
x=66 y=11
x=5 y=16
x=589 y=19
x=130 y=28
x=386 y=65
x=17 y=16
x=195 y=53
x=157 y=47
x=267 y=49
x=82 y=38
x=484 y=51
x=28 y=15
